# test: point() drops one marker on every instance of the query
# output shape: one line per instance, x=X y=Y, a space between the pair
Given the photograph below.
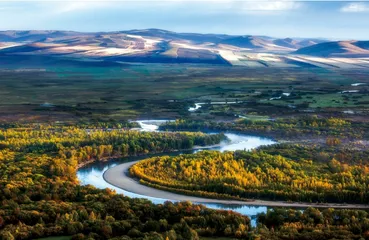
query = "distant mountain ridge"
x=247 y=41
x=162 y=46
x=33 y=35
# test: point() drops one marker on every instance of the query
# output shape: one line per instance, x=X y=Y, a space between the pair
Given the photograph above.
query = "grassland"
x=73 y=92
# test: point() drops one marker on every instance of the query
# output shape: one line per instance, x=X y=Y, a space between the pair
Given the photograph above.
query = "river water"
x=93 y=173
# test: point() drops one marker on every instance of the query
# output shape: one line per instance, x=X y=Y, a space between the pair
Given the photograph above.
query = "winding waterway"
x=93 y=173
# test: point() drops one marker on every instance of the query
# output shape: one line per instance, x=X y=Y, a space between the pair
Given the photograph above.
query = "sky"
x=322 y=19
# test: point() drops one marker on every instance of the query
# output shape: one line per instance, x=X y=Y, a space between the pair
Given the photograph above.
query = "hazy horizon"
x=334 y=20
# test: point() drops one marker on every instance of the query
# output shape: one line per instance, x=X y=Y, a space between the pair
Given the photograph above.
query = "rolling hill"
x=296 y=43
x=250 y=42
x=161 y=46
x=33 y=36
x=337 y=49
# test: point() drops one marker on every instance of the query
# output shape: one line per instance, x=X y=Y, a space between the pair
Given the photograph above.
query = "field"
x=74 y=91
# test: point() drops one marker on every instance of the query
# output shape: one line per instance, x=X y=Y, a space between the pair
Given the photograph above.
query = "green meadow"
x=73 y=93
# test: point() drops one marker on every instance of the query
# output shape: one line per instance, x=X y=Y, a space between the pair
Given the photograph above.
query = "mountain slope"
x=337 y=49
x=362 y=44
x=286 y=42
x=169 y=35
x=138 y=39
x=161 y=46
x=33 y=36
x=296 y=43
x=251 y=42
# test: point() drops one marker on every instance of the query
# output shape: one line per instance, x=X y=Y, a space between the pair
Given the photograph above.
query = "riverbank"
x=106 y=159
x=118 y=176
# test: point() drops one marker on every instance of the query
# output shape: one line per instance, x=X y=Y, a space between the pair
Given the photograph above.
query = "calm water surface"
x=93 y=173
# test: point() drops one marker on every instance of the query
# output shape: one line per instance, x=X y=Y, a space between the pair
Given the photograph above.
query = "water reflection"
x=93 y=173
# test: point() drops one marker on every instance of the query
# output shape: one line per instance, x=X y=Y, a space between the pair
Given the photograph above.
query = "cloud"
x=72 y=6
x=271 y=6
x=267 y=7
x=355 y=7
x=249 y=6
x=10 y=8
x=76 y=6
x=61 y=7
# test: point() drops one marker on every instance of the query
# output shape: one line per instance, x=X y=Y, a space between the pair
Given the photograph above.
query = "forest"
x=257 y=175
x=83 y=145
x=40 y=195
x=281 y=128
x=312 y=223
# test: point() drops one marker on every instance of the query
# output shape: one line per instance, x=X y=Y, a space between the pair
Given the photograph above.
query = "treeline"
x=97 y=144
x=40 y=195
x=112 y=124
x=257 y=175
x=284 y=128
x=312 y=224
x=320 y=153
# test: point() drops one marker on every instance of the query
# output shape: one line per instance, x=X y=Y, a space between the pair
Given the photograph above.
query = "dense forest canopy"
x=282 y=127
x=40 y=194
x=86 y=144
x=257 y=174
x=312 y=224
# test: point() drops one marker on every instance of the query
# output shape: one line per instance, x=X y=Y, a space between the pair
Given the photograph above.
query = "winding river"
x=113 y=174
x=94 y=173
